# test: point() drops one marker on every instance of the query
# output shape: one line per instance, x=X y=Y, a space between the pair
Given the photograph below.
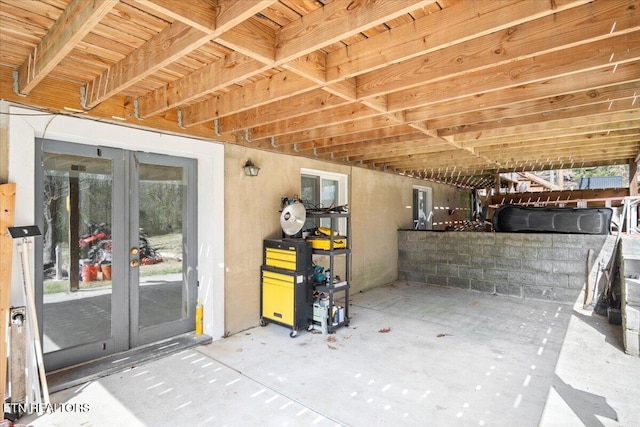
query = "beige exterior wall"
x=379 y=203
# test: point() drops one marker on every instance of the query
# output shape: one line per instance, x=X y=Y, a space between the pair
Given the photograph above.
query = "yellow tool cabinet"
x=285 y=284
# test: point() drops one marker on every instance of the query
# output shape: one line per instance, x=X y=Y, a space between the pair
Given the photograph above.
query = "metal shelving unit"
x=335 y=287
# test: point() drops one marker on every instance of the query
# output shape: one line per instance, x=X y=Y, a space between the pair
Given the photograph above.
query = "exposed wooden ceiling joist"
x=454 y=90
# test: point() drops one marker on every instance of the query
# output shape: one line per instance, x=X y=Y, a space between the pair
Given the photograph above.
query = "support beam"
x=76 y=21
x=175 y=41
x=7 y=213
x=633 y=177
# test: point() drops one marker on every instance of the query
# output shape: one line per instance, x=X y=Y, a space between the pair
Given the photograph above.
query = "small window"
x=422 y=208
x=320 y=190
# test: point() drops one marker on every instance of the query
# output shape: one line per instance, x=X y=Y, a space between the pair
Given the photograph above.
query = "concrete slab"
x=413 y=355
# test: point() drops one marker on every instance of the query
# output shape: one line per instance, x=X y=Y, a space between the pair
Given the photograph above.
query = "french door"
x=118 y=253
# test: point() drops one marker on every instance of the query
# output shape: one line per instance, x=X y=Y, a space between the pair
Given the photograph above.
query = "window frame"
x=343 y=185
x=428 y=212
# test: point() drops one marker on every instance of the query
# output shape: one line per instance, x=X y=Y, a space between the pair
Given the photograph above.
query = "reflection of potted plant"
x=105 y=266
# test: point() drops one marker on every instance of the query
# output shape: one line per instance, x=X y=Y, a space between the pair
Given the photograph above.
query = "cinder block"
x=458 y=282
x=523 y=252
x=631 y=291
x=483 y=286
x=413 y=235
x=631 y=341
x=482 y=261
x=552 y=280
x=461 y=259
x=558 y=254
x=454 y=247
x=448 y=270
x=522 y=277
x=631 y=317
x=433 y=279
x=537 y=240
x=497 y=251
x=509 y=289
x=473 y=273
x=509 y=263
x=630 y=267
x=567 y=241
x=495 y=274
x=630 y=247
x=543 y=266
x=440 y=257
x=576 y=281
x=508 y=239
x=484 y=238
x=550 y=293
x=565 y=267
x=412 y=276
x=579 y=255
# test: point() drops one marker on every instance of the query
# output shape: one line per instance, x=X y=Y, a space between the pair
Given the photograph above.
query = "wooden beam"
x=419 y=37
x=173 y=42
x=286 y=109
x=217 y=75
x=540 y=181
x=76 y=21
x=564 y=196
x=548 y=106
x=336 y=21
x=507 y=44
x=252 y=95
x=550 y=129
x=7 y=215
x=352 y=138
x=633 y=177
x=317 y=119
x=589 y=59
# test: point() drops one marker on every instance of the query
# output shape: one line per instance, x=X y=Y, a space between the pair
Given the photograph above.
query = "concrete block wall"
x=529 y=266
x=630 y=294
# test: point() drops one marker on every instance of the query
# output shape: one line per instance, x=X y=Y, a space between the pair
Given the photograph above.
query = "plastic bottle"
x=199 y=317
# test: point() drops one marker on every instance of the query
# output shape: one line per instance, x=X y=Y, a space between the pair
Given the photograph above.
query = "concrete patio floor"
x=413 y=355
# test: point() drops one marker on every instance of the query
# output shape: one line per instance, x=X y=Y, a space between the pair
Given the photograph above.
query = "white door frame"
x=25 y=125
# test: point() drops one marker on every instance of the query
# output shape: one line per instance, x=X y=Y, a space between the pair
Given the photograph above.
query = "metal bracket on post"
x=216 y=128
x=136 y=109
x=180 y=125
x=38 y=385
x=83 y=98
x=16 y=85
x=246 y=136
x=273 y=142
x=17 y=340
x=295 y=147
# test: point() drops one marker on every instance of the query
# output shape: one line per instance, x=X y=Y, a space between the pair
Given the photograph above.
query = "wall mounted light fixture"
x=250 y=169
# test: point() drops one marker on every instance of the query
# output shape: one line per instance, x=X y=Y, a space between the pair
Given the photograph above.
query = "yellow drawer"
x=280 y=258
x=273 y=277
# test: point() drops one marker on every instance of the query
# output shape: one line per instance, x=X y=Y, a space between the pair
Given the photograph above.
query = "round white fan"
x=292 y=218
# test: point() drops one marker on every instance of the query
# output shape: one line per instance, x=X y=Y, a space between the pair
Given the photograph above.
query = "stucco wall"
x=379 y=203
x=252 y=207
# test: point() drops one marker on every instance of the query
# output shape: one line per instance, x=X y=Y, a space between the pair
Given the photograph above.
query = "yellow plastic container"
x=324 y=243
x=199 y=318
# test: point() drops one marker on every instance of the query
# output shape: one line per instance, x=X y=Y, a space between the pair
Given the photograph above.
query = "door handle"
x=134 y=263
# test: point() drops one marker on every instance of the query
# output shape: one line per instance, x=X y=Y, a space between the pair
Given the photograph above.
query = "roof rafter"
x=76 y=21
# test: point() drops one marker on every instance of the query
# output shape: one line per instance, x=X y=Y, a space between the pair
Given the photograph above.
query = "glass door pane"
x=77 y=287
x=164 y=282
